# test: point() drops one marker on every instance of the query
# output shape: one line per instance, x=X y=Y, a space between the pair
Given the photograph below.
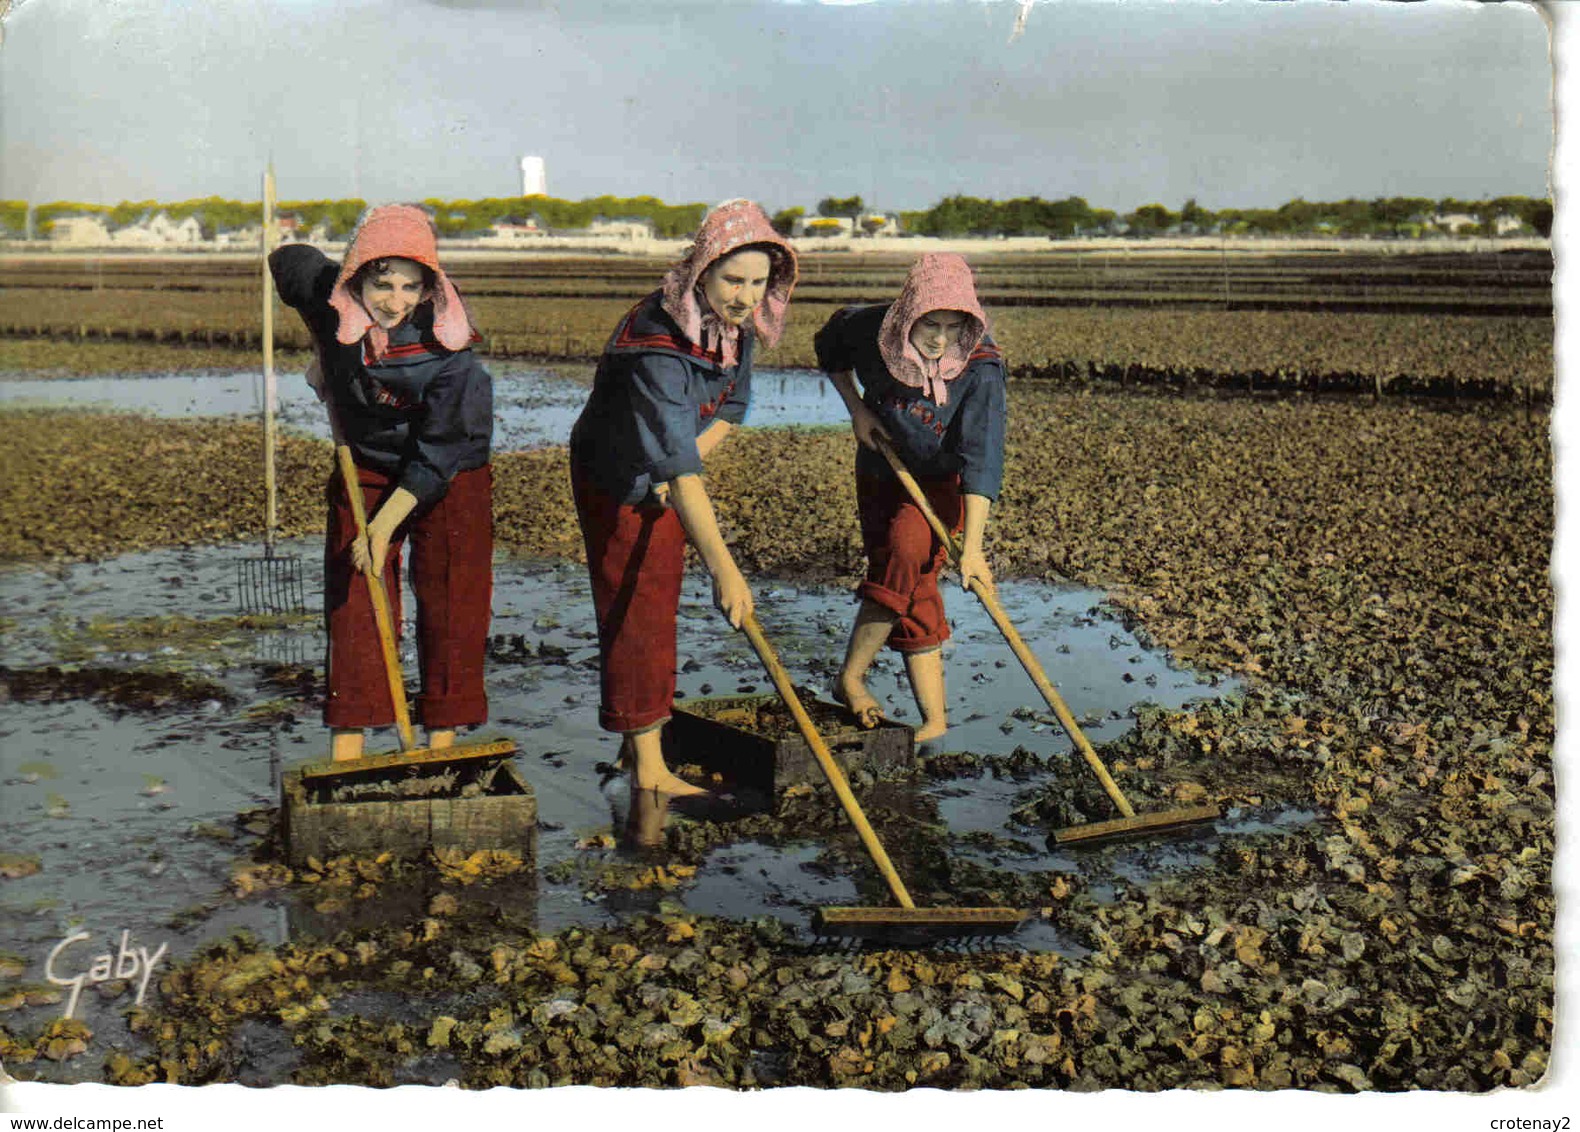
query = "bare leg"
x=644 y=757
x=926 y=670
x=867 y=637
x=440 y=739
x=345 y=744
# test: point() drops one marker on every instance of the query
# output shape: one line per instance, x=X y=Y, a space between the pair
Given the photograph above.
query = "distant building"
x=534 y=177
x=515 y=231
x=832 y=227
x=248 y=236
x=621 y=229
x=80 y=231
x=1455 y=223
x=161 y=232
x=828 y=226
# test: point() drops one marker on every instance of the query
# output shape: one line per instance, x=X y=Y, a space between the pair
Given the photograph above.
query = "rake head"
x=1139 y=826
x=270 y=585
x=916 y=927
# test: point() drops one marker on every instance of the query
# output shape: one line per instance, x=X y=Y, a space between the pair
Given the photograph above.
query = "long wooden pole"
x=996 y=611
x=825 y=759
x=271 y=510
x=381 y=603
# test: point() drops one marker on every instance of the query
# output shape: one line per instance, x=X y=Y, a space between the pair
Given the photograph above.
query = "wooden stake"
x=266 y=240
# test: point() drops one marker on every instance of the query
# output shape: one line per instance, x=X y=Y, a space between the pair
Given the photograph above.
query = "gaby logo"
x=126 y=964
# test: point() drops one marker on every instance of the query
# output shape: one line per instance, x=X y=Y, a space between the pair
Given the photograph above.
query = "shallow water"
x=532 y=407
x=123 y=808
x=133 y=815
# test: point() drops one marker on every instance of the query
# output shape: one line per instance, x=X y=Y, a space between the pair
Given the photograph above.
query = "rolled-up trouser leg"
x=904 y=556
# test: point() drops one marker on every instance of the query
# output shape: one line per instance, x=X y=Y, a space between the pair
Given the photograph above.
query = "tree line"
x=1390 y=216
x=1400 y=217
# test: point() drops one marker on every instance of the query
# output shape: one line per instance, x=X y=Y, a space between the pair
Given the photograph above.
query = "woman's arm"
x=709 y=439
x=973 y=565
x=712 y=436
x=730 y=593
x=863 y=421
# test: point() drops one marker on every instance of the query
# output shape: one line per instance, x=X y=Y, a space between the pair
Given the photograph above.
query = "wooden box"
x=753 y=741
x=482 y=804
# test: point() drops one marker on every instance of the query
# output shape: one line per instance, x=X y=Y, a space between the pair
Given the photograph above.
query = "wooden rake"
x=895 y=924
x=1129 y=823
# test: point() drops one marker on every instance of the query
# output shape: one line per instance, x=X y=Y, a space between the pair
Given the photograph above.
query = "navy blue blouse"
x=965 y=436
x=653 y=395
x=420 y=414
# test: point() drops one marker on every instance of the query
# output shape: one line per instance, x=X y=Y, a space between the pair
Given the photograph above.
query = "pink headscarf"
x=727 y=228
x=937 y=281
x=404 y=231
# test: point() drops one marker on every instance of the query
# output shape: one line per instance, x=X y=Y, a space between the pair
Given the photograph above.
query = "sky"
x=1237 y=103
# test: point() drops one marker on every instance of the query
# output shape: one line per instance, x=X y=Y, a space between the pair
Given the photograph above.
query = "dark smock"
x=420 y=418
x=653 y=394
x=953 y=450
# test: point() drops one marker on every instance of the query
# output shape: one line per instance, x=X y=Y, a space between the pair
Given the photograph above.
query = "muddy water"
x=132 y=816
x=131 y=813
x=532 y=407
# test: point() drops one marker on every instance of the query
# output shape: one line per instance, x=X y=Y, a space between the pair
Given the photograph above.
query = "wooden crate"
x=492 y=807
x=721 y=735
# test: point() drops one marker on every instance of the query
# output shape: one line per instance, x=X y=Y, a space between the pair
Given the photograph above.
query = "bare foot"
x=667 y=783
x=439 y=740
x=931 y=729
x=858 y=701
x=644 y=825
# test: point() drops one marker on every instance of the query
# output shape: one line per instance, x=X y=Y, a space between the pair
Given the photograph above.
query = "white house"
x=621 y=229
x=1457 y=222
x=80 y=231
x=161 y=231
x=247 y=237
x=512 y=232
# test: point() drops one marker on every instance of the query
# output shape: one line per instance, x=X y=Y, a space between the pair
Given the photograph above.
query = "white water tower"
x=534 y=178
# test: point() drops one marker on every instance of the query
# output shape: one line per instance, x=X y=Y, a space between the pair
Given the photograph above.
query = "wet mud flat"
x=1376 y=914
x=144 y=749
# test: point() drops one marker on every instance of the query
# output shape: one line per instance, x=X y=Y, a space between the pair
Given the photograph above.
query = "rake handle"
x=1017 y=645
x=381 y=601
x=835 y=776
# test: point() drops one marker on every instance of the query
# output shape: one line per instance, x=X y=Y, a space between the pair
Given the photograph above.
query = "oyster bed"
x=1377 y=577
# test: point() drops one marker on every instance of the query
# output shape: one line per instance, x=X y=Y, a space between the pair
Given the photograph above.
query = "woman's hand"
x=974 y=568
x=973 y=564
x=732 y=596
x=864 y=423
x=369 y=552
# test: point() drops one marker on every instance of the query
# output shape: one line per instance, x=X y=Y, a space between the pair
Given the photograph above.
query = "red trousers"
x=637 y=559
x=452 y=576
x=904 y=556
